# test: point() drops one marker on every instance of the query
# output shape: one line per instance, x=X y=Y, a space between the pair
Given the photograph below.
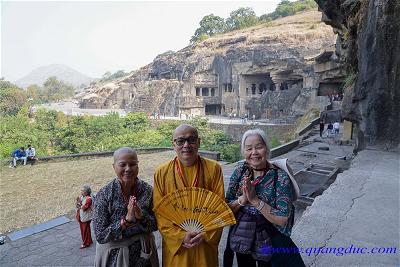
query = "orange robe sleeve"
x=217 y=184
x=170 y=232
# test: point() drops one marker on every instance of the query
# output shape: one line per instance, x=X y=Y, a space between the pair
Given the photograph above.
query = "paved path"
x=359 y=210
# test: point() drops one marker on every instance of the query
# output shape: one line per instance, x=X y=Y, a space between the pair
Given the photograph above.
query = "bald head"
x=186 y=143
x=126 y=165
x=185 y=128
x=123 y=151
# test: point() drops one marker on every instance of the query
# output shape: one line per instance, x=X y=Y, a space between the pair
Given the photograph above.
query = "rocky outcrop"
x=369 y=45
x=260 y=70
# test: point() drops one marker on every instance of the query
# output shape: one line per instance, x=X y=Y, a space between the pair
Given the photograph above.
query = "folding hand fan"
x=195 y=209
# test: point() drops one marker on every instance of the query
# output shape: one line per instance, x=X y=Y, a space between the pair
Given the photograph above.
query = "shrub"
x=136 y=121
x=274 y=142
x=231 y=153
x=166 y=129
x=148 y=138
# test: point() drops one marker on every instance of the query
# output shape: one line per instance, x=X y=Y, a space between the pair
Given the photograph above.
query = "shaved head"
x=186 y=143
x=184 y=128
x=123 y=150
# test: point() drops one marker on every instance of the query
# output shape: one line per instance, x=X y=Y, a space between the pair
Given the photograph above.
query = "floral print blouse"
x=275 y=189
x=110 y=207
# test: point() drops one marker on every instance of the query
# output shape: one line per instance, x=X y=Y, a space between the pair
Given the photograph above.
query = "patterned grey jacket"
x=110 y=207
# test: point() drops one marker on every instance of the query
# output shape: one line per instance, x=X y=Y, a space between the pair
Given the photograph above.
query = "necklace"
x=262 y=169
x=259 y=179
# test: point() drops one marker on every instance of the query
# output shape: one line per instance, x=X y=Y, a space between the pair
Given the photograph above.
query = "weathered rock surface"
x=260 y=70
x=369 y=44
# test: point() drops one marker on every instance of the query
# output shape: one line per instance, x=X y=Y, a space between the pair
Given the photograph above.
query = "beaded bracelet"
x=240 y=204
x=261 y=205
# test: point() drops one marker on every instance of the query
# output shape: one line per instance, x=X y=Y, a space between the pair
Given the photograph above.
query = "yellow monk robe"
x=173 y=253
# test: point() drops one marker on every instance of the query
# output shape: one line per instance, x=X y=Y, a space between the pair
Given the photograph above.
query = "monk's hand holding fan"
x=192 y=239
x=195 y=210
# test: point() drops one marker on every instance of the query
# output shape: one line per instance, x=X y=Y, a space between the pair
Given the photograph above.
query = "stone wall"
x=282 y=131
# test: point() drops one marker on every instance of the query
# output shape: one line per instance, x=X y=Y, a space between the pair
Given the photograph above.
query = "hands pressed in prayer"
x=249 y=191
x=134 y=211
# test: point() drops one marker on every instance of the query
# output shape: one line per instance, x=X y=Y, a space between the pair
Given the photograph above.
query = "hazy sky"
x=94 y=37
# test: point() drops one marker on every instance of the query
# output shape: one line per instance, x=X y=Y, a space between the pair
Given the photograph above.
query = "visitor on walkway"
x=19 y=154
x=124 y=219
x=321 y=127
x=84 y=215
x=31 y=155
x=329 y=129
x=261 y=194
x=336 y=127
x=187 y=169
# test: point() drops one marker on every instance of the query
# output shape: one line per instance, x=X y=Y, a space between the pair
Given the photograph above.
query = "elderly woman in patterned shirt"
x=124 y=219
x=260 y=188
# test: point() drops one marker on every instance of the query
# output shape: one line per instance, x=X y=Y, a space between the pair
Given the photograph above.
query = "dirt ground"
x=34 y=194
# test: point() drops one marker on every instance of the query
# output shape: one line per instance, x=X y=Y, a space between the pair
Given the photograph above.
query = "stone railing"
x=102 y=153
x=285 y=148
x=308 y=127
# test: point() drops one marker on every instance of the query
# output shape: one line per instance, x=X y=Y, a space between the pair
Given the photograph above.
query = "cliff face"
x=369 y=45
x=260 y=70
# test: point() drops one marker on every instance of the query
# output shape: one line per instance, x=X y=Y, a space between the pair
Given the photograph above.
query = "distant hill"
x=62 y=72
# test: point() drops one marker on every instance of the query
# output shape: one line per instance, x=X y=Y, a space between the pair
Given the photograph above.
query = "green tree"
x=55 y=90
x=242 y=18
x=166 y=129
x=209 y=26
x=32 y=92
x=287 y=8
x=12 y=98
x=284 y=8
x=136 y=121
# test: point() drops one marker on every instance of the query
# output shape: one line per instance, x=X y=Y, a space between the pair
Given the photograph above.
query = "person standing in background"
x=336 y=127
x=321 y=127
x=84 y=215
x=330 y=129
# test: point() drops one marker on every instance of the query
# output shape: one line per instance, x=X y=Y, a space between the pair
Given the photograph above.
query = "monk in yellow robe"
x=188 y=169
